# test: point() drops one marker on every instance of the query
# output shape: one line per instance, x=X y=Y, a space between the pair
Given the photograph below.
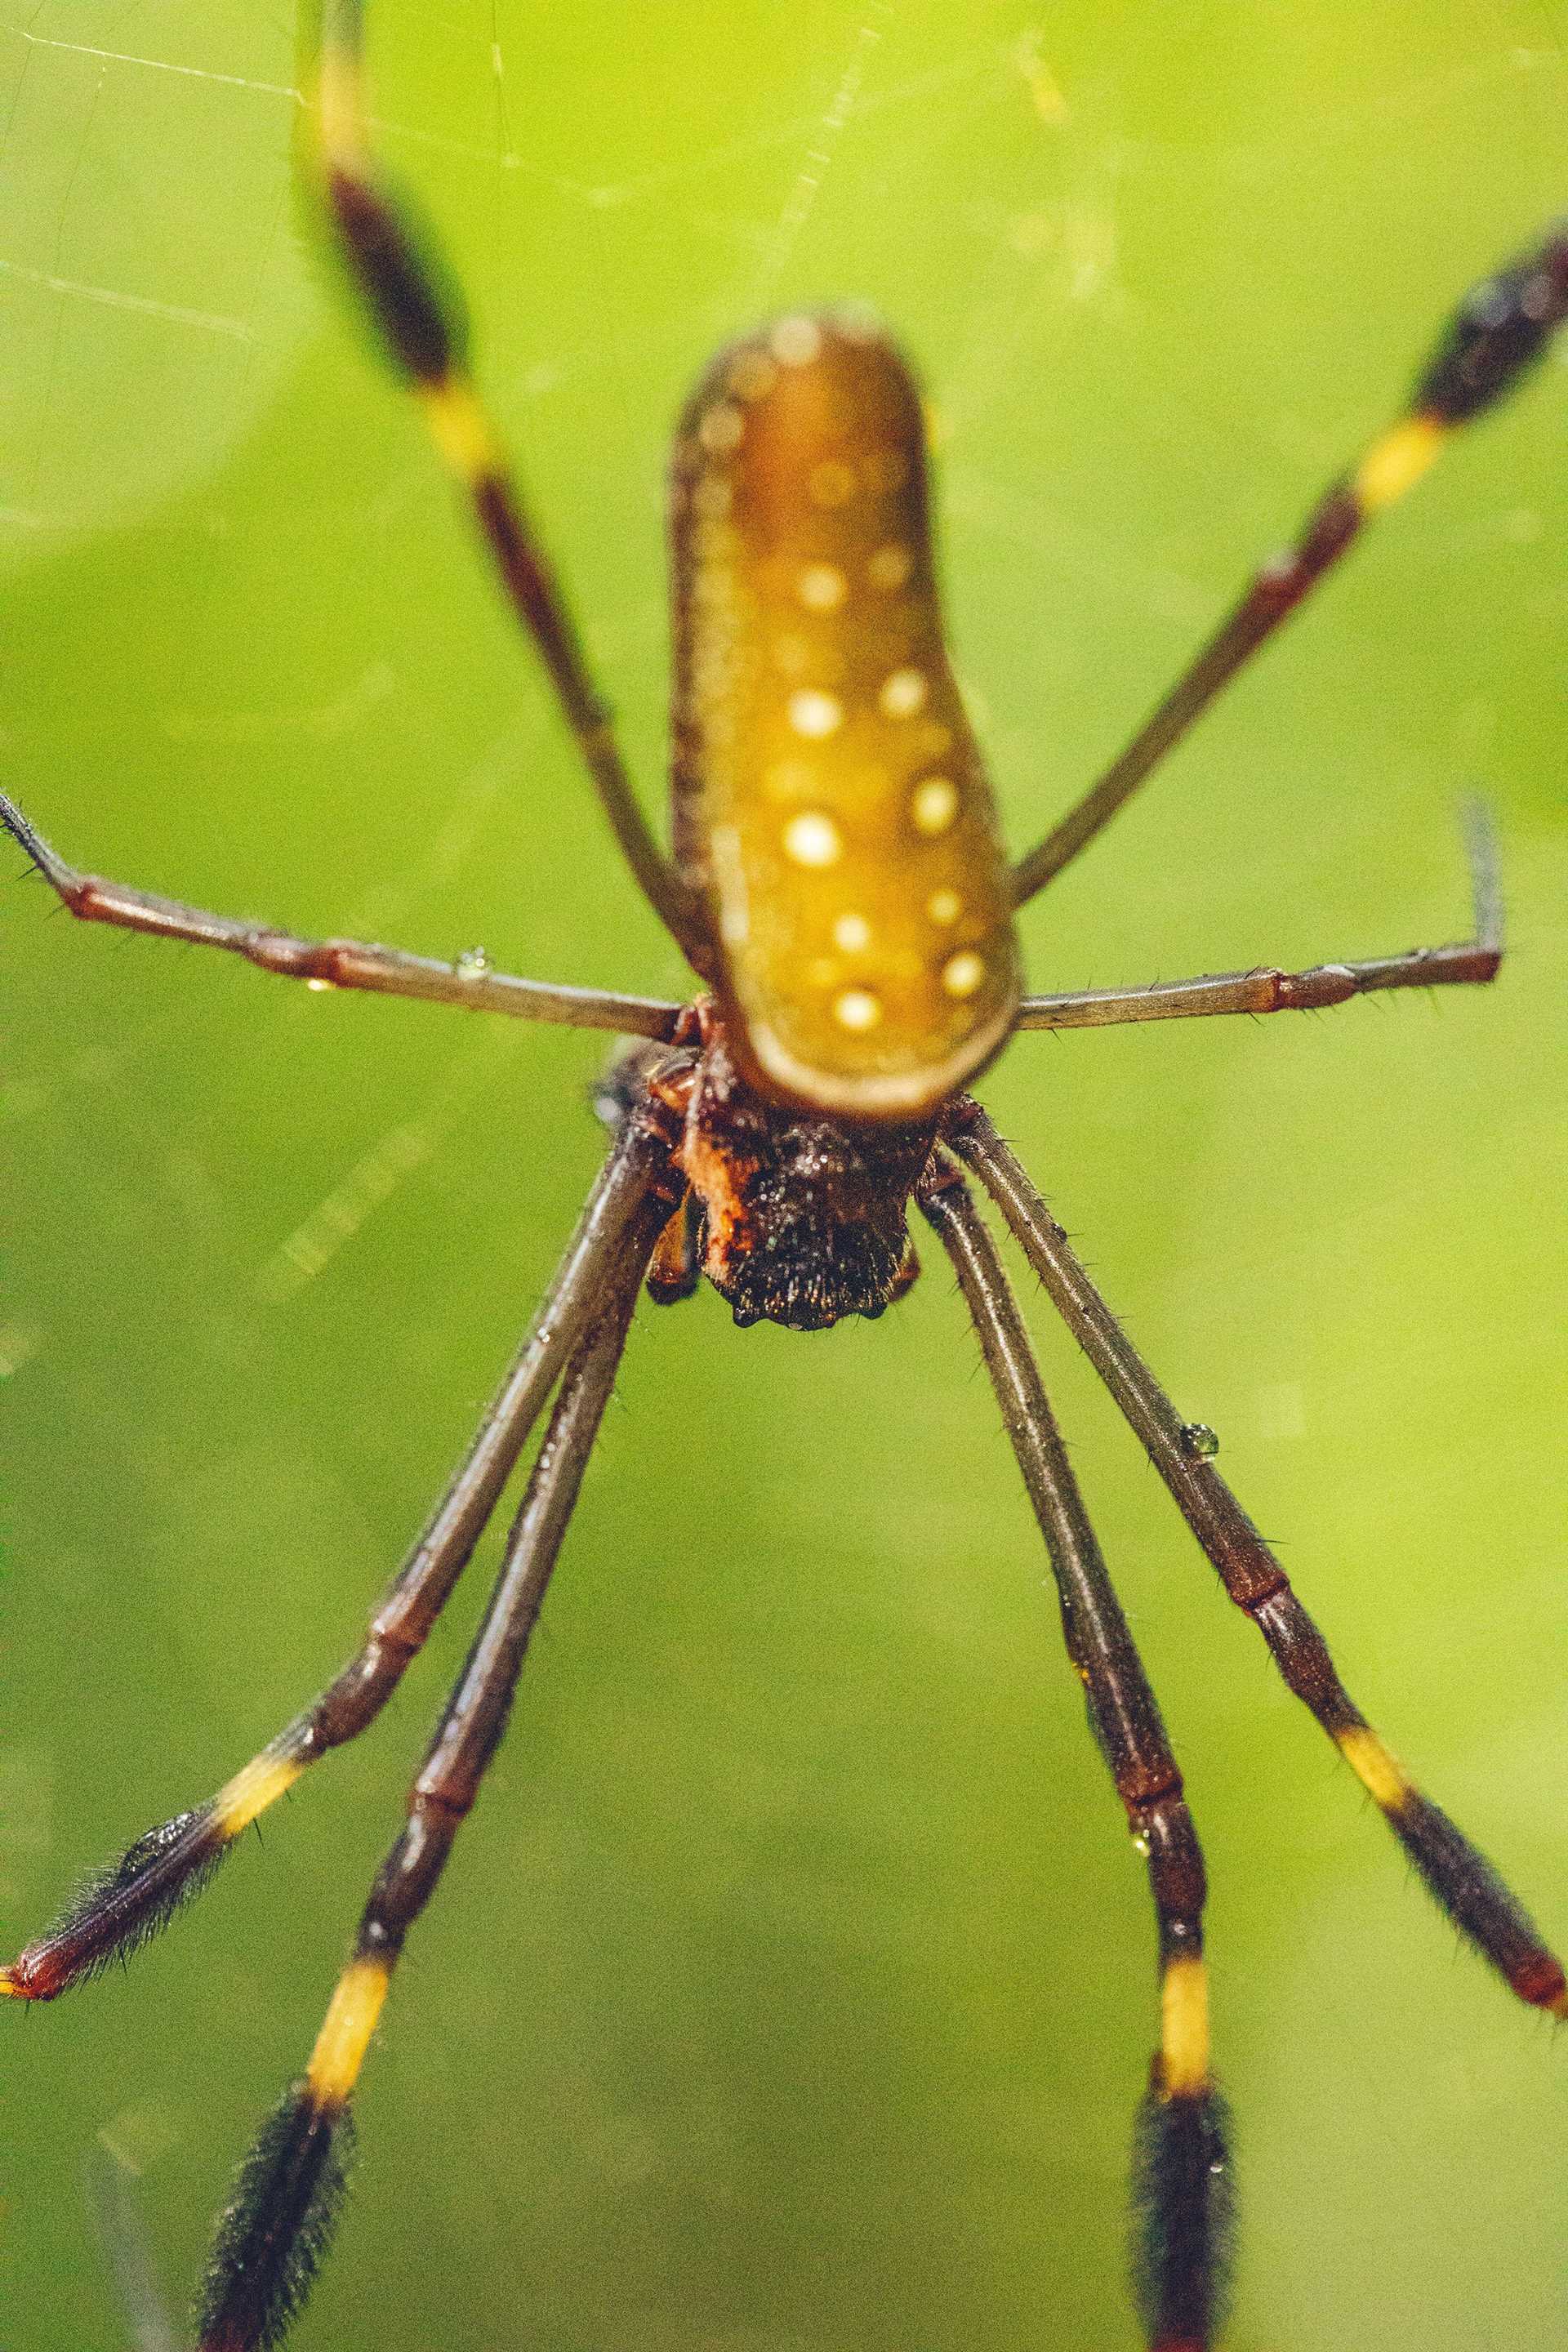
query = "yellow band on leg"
x=1374 y=1767
x=1184 y=2027
x=459 y=428
x=346 y=2030
x=338 y=94
x=262 y=1781
x=1397 y=460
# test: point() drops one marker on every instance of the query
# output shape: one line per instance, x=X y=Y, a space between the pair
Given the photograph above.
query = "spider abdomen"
x=831 y=804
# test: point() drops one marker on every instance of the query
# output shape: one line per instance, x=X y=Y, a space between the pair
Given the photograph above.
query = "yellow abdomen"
x=830 y=800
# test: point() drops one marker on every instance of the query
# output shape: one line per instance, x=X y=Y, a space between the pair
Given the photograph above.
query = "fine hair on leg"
x=121 y=1907
x=1181 y=2187
x=1458 y=1875
x=280 y=2223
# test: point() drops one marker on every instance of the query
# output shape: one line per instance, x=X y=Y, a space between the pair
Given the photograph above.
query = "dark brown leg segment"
x=418 y=319
x=337 y=963
x=1497 y=333
x=1460 y=963
x=280 y=2224
x=1459 y=1877
x=1182 y=2178
x=127 y=1903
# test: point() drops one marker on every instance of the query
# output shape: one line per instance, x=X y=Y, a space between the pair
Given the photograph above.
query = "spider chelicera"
x=838 y=887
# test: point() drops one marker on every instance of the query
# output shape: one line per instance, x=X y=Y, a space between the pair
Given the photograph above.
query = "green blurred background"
x=790 y=1989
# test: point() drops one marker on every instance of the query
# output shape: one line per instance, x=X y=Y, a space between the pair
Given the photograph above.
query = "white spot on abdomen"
x=796 y=341
x=933 y=804
x=856 y=1009
x=822 y=587
x=812 y=839
x=903 y=693
x=814 y=713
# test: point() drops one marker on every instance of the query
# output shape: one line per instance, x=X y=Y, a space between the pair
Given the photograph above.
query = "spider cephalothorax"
x=798 y=1220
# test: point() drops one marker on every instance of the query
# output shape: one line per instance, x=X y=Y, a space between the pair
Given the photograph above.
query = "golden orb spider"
x=727 y=1141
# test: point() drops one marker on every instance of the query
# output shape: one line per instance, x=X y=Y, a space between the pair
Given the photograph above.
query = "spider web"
x=979 y=172
x=1159 y=275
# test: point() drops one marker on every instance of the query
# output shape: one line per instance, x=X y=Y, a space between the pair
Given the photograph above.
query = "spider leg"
x=676 y=1268
x=1460 y=1878
x=122 y=1906
x=1182 y=2179
x=1463 y=963
x=419 y=319
x=1495 y=336
x=337 y=963
x=279 y=2225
